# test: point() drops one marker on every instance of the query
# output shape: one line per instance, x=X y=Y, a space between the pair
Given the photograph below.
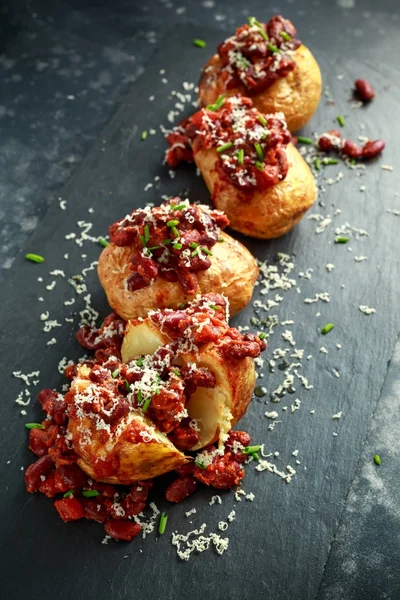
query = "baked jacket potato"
x=185 y=380
x=250 y=167
x=164 y=256
x=267 y=63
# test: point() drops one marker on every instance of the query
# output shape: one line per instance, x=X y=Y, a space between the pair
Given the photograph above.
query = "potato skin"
x=296 y=95
x=131 y=461
x=233 y=273
x=267 y=214
x=236 y=377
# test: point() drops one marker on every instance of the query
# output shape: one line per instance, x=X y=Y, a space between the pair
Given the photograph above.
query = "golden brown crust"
x=132 y=461
x=267 y=214
x=296 y=95
x=233 y=273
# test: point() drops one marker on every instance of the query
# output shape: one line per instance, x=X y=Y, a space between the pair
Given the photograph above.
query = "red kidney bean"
x=42 y=466
x=372 y=148
x=351 y=149
x=181 y=488
x=37 y=441
x=122 y=530
x=364 y=90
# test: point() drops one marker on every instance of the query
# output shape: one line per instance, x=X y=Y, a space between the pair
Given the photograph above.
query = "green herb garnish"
x=259 y=151
x=103 y=242
x=225 y=147
x=139 y=362
x=163 y=523
x=176 y=372
x=259 y=165
x=273 y=48
x=304 y=140
x=240 y=157
x=214 y=306
x=377 y=459
x=251 y=449
x=330 y=161
x=140 y=397
x=115 y=374
x=147 y=403
x=341 y=240
x=127 y=385
x=317 y=164
x=143 y=136
x=177 y=246
x=199 y=43
x=206 y=251
x=90 y=493
x=285 y=36
x=253 y=22
x=34 y=258
x=340 y=120
x=217 y=104
x=178 y=206
x=200 y=465
x=34 y=426
x=69 y=494
x=262 y=336
x=327 y=328
x=193 y=245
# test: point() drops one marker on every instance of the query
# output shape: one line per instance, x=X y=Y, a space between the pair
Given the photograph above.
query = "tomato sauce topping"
x=258 y=54
x=251 y=146
x=172 y=241
x=104 y=391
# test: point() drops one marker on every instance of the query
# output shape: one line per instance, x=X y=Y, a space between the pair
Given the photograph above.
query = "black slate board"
x=279 y=543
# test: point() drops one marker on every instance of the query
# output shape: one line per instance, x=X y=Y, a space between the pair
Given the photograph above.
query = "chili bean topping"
x=251 y=146
x=172 y=241
x=364 y=90
x=258 y=54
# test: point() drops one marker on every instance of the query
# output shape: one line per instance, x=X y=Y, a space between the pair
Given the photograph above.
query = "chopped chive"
x=217 y=104
x=340 y=120
x=69 y=494
x=304 y=140
x=225 y=147
x=143 y=136
x=377 y=459
x=175 y=231
x=146 y=233
x=178 y=206
x=317 y=164
x=127 y=385
x=177 y=246
x=176 y=372
x=147 y=404
x=273 y=48
x=251 y=449
x=259 y=151
x=262 y=336
x=195 y=252
x=34 y=426
x=327 y=328
x=200 y=465
x=115 y=374
x=341 y=240
x=262 y=120
x=214 y=306
x=163 y=523
x=259 y=165
x=139 y=362
x=154 y=248
x=181 y=305
x=199 y=43
x=103 y=242
x=353 y=161
x=140 y=397
x=34 y=258
x=240 y=156
x=255 y=456
x=173 y=223
x=253 y=22
x=221 y=239
x=143 y=240
x=206 y=251
x=90 y=493
x=286 y=36
x=330 y=161
x=193 y=245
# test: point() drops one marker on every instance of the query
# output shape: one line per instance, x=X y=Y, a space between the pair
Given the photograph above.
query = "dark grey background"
x=334 y=531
